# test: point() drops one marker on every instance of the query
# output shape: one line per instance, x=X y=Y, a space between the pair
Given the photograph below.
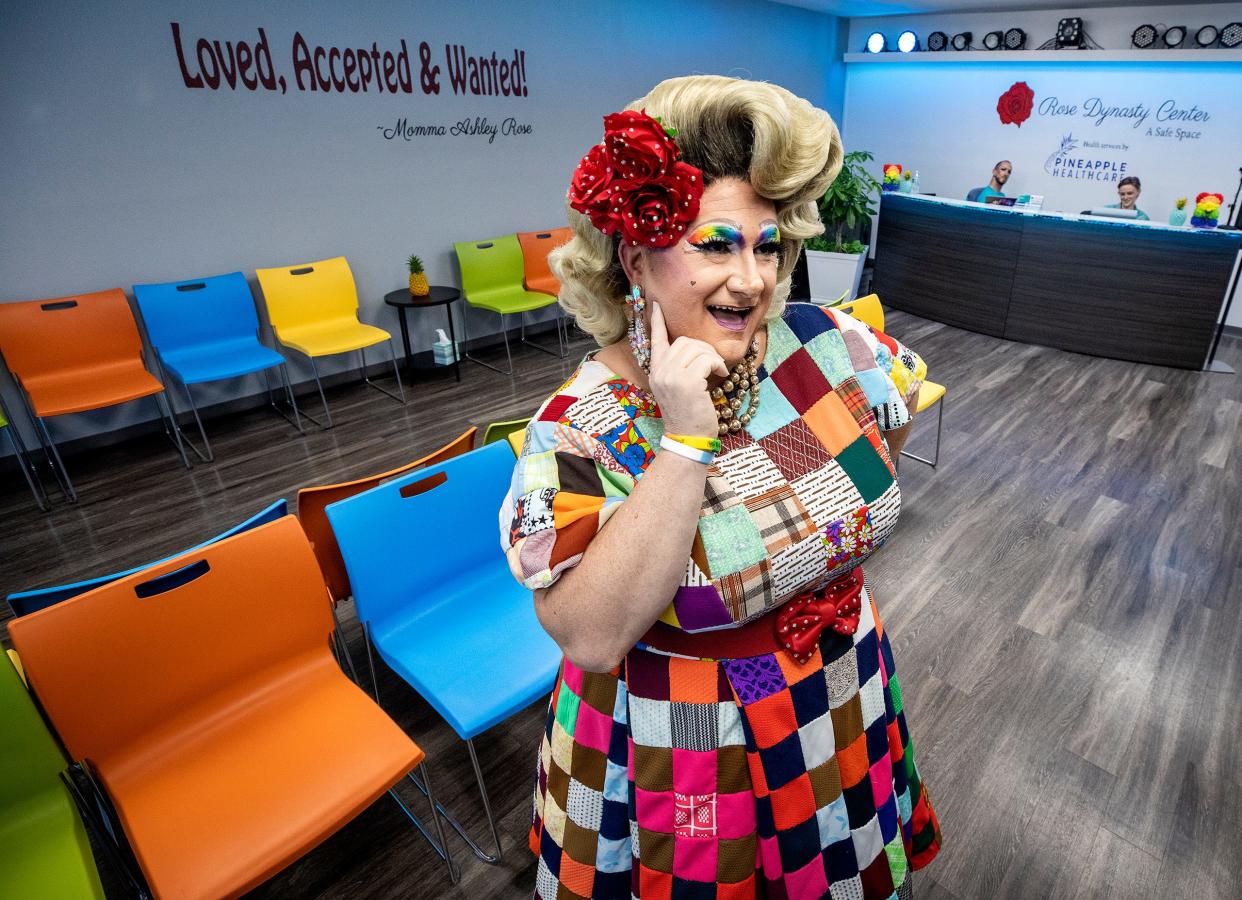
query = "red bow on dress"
x=802 y=620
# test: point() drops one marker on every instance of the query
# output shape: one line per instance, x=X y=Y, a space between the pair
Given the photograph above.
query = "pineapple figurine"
x=418 y=280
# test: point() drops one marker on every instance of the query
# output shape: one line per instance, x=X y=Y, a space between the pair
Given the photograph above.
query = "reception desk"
x=1125 y=290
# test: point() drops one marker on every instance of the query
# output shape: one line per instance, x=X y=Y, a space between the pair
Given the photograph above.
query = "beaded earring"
x=640 y=343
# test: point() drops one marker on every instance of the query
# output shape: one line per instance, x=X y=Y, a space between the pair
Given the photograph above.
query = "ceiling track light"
x=1231 y=36
x=907 y=42
x=937 y=40
x=1207 y=35
x=876 y=42
x=1144 y=37
x=993 y=40
x=1174 y=36
x=961 y=41
x=1069 y=33
x=1015 y=39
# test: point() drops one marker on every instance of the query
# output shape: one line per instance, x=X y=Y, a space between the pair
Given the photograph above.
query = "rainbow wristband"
x=710 y=444
x=690 y=453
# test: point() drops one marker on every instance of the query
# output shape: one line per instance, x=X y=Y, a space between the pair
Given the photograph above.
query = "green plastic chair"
x=498 y=431
x=23 y=460
x=492 y=272
x=43 y=847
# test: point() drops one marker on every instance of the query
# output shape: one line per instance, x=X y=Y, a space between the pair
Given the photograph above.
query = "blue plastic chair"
x=206 y=329
x=428 y=574
x=24 y=603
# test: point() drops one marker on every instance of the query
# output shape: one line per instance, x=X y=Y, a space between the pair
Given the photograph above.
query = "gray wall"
x=115 y=173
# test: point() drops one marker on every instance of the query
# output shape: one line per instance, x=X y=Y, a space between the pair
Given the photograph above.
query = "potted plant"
x=907 y=182
x=834 y=263
x=418 y=279
x=1177 y=218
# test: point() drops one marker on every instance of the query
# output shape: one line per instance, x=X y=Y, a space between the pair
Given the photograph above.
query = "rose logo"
x=1014 y=106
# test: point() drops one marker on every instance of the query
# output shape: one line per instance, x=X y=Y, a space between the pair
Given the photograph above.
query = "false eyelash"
x=714 y=245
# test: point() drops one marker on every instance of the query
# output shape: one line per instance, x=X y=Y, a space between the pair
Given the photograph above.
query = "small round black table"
x=440 y=295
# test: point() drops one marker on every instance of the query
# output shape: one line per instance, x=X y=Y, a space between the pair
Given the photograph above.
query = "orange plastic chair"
x=312 y=502
x=224 y=760
x=536 y=245
x=74 y=354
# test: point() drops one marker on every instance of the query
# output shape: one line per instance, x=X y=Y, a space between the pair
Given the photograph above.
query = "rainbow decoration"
x=892 y=177
x=1207 y=210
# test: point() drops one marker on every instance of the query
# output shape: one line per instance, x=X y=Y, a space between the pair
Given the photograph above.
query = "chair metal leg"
x=457 y=826
x=560 y=343
x=327 y=413
x=939 y=424
x=487 y=806
x=339 y=640
x=206 y=454
x=29 y=472
x=508 y=354
x=173 y=433
x=383 y=390
x=53 y=458
x=441 y=846
x=98 y=810
x=366 y=637
x=296 y=419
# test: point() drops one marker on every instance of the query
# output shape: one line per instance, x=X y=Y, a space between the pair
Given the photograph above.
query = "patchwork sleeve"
x=562 y=493
x=889 y=371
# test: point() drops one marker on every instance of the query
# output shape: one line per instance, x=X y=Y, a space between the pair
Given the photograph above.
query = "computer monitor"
x=1001 y=201
x=1112 y=212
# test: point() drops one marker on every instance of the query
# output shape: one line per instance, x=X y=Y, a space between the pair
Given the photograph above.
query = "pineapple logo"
x=1068 y=145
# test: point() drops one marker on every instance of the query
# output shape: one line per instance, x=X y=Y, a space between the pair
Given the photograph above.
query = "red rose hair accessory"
x=633 y=184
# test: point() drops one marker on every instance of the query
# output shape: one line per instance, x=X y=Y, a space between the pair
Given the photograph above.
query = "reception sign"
x=1072 y=130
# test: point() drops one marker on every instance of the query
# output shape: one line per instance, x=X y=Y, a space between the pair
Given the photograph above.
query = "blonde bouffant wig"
x=786 y=149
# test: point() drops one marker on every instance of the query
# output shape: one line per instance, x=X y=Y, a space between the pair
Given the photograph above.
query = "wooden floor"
x=1063 y=596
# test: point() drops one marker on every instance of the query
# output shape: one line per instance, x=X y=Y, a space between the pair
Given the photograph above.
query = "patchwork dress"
x=676 y=777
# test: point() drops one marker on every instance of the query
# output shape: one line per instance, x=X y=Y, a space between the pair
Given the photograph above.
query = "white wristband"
x=691 y=453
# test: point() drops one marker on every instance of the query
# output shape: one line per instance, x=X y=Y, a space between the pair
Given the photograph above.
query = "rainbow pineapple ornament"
x=1207 y=210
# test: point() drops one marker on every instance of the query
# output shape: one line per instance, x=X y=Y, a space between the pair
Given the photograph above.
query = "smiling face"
x=716 y=283
x=1128 y=194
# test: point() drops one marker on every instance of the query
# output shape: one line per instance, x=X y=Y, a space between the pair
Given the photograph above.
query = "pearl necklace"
x=744 y=379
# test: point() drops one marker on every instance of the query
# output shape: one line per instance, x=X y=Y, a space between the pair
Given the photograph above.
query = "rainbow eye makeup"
x=769 y=235
x=717 y=234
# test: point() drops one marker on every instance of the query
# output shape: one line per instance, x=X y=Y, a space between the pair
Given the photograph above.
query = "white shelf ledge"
x=1041 y=56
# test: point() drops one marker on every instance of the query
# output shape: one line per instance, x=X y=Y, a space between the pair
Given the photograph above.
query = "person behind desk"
x=1000 y=175
x=1128 y=190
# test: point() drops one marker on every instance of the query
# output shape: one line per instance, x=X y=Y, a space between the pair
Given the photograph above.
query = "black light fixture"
x=907 y=41
x=1231 y=35
x=937 y=40
x=876 y=42
x=1015 y=39
x=1069 y=33
x=993 y=40
x=1174 y=36
x=1207 y=35
x=1144 y=36
x=961 y=41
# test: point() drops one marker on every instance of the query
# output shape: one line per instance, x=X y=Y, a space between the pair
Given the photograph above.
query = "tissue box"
x=443 y=353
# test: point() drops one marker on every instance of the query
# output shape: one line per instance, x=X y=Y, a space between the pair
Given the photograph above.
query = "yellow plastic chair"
x=869 y=311
x=313 y=308
x=516 y=440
